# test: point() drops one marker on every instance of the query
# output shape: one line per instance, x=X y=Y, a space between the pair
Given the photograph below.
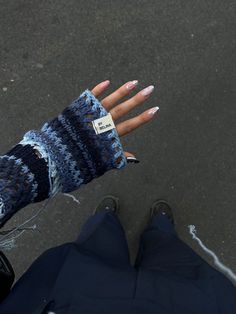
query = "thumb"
x=131 y=158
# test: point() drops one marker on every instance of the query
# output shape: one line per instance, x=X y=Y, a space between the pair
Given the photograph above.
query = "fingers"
x=128 y=154
x=100 y=88
x=132 y=124
x=122 y=109
x=110 y=101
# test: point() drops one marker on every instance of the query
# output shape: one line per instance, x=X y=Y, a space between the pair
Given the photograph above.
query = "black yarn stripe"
x=74 y=148
x=37 y=166
x=85 y=137
x=89 y=140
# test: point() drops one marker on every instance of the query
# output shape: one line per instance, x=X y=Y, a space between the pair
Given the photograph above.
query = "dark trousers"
x=160 y=247
x=169 y=277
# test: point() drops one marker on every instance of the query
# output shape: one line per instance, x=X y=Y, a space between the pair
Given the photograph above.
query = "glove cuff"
x=23 y=180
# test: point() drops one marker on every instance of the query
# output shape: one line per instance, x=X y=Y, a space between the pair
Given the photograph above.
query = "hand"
x=119 y=109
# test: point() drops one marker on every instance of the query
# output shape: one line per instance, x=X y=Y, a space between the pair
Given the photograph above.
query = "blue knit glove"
x=60 y=157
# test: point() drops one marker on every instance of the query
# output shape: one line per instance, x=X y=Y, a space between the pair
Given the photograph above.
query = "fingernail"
x=132 y=160
x=147 y=91
x=132 y=84
x=153 y=110
x=105 y=83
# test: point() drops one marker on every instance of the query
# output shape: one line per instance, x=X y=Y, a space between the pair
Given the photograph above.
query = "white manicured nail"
x=153 y=110
x=132 y=84
x=131 y=159
x=147 y=91
x=105 y=83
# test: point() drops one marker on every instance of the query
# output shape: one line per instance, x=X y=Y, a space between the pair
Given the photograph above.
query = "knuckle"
x=138 y=99
x=142 y=118
x=118 y=110
x=128 y=128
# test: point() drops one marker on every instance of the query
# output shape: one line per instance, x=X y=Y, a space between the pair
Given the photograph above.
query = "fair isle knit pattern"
x=64 y=154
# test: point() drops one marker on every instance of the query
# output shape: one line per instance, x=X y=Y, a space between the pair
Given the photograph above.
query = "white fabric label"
x=103 y=124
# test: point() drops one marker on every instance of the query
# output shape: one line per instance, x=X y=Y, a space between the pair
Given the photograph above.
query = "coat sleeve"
x=64 y=154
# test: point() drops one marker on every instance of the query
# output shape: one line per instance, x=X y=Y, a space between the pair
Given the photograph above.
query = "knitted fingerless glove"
x=64 y=154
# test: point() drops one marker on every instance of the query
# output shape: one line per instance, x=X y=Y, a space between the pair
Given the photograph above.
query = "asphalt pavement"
x=52 y=50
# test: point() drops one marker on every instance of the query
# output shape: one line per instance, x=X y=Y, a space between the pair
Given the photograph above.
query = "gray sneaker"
x=161 y=207
x=108 y=203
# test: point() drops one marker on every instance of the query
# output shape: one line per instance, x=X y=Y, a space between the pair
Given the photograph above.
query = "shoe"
x=108 y=203
x=161 y=207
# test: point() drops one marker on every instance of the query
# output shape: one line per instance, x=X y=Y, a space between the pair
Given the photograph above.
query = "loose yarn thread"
x=8 y=239
x=224 y=269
